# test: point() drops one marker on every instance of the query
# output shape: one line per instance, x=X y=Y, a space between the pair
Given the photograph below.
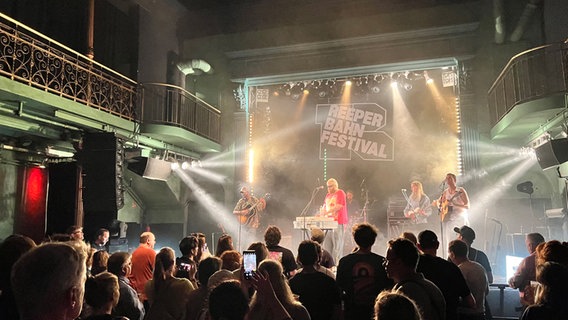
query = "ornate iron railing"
x=530 y=75
x=172 y=105
x=29 y=57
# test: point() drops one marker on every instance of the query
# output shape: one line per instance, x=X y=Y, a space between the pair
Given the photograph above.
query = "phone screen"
x=249 y=262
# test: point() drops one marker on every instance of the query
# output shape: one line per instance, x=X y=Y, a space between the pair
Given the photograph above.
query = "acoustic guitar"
x=445 y=207
x=249 y=218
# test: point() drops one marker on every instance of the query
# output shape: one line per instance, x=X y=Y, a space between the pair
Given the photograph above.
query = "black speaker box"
x=552 y=153
x=150 y=168
x=102 y=159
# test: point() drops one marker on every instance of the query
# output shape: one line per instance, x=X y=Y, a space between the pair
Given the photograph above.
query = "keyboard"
x=306 y=223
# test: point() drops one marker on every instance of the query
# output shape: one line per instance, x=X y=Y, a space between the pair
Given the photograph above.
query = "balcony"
x=47 y=89
x=528 y=97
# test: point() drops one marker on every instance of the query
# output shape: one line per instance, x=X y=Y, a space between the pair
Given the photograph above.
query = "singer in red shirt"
x=335 y=206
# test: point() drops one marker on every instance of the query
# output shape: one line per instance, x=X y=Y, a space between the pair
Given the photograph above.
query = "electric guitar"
x=249 y=218
x=447 y=206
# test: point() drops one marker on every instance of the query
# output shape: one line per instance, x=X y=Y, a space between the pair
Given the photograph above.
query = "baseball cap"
x=427 y=239
x=466 y=233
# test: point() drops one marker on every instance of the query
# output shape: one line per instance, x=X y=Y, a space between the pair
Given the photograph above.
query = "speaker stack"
x=103 y=194
x=552 y=153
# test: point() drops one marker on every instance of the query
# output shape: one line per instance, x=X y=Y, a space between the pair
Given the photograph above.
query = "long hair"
x=281 y=288
x=419 y=193
x=225 y=243
x=164 y=267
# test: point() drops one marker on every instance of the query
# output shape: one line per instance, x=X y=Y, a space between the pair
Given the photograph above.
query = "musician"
x=453 y=205
x=353 y=207
x=418 y=207
x=248 y=209
x=335 y=206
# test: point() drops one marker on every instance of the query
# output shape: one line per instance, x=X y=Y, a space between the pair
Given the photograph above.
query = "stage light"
x=394 y=84
x=375 y=84
x=174 y=165
x=348 y=82
x=185 y=165
x=427 y=77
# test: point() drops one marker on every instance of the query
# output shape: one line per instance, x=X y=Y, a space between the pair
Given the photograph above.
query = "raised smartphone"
x=249 y=262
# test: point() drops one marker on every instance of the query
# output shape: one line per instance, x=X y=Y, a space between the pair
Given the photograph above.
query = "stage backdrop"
x=374 y=144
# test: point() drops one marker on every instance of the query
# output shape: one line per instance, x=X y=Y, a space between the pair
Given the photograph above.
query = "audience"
x=101 y=294
x=129 y=305
x=143 y=259
x=48 y=281
x=317 y=292
x=225 y=243
x=409 y=236
x=360 y=275
x=475 y=277
x=11 y=249
x=101 y=239
x=99 y=264
x=526 y=271
x=272 y=237
x=326 y=260
x=167 y=295
x=76 y=233
x=445 y=275
x=231 y=260
x=400 y=264
x=227 y=301
x=551 y=296
x=197 y=300
x=260 y=310
x=395 y=306
x=186 y=265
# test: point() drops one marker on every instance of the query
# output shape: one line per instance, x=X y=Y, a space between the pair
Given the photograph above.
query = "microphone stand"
x=306 y=208
x=364 y=210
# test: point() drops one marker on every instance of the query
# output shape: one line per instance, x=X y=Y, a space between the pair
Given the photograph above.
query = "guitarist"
x=453 y=205
x=248 y=208
x=418 y=207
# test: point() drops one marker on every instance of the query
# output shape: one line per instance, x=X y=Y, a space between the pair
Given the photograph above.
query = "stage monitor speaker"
x=552 y=153
x=151 y=168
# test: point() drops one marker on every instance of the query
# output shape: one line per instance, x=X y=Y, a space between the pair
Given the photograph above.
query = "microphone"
x=403 y=190
x=362 y=183
x=319 y=188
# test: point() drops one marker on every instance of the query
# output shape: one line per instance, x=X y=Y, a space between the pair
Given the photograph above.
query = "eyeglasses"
x=330 y=186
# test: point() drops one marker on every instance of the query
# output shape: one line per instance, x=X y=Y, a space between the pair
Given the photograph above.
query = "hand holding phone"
x=249 y=263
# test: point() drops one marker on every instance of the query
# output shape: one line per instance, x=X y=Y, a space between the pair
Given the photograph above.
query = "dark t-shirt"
x=361 y=277
x=318 y=293
x=481 y=258
x=285 y=256
x=448 y=278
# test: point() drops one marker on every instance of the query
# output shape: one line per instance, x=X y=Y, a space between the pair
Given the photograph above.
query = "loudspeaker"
x=102 y=158
x=552 y=153
x=150 y=168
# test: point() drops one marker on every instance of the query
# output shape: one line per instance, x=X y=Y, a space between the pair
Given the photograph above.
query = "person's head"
x=466 y=234
x=428 y=241
x=553 y=278
x=416 y=187
x=207 y=267
x=120 y=264
x=332 y=185
x=457 y=251
x=409 y=236
x=224 y=243
x=276 y=276
x=11 y=249
x=317 y=235
x=164 y=266
x=76 y=232
x=402 y=259
x=102 y=291
x=48 y=281
x=227 y=301
x=102 y=236
x=451 y=179
x=272 y=236
x=364 y=235
x=148 y=239
x=260 y=250
x=552 y=251
x=308 y=253
x=391 y=305
x=532 y=240
x=188 y=246
x=245 y=193
x=349 y=196
x=231 y=260
x=100 y=260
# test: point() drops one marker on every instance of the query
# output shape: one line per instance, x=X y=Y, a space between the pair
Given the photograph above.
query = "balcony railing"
x=172 y=105
x=29 y=57
x=528 y=76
